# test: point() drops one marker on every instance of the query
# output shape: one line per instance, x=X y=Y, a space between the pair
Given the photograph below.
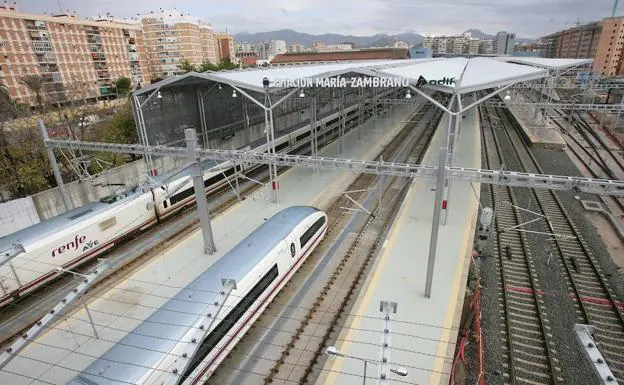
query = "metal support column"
x=341 y=122
x=360 y=112
x=39 y=327
x=387 y=308
x=55 y=167
x=374 y=108
x=198 y=183
x=275 y=184
x=143 y=132
x=202 y=118
x=435 y=227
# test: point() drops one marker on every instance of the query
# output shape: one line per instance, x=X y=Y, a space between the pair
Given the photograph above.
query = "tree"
x=226 y=64
x=207 y=66
x=123 y=85
x=185 y=66
x=35 y=84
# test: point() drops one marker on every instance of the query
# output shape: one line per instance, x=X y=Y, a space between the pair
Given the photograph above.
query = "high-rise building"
x=504 y=43
x=80 y=59
x=486 y=47
x=599 y=40
x=171 y=36
x=297 y=47
x=225 y=47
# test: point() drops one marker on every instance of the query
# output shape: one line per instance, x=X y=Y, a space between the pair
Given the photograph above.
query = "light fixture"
x=332 y=351
x=400 y=371
x=234 y=93
x=408 y=95
x=219 y=85
x=302 y=94
x=158 y=95
x=507 y=97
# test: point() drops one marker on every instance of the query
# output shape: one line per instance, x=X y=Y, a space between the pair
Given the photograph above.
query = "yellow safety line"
x=450 y=312
x=337 y=365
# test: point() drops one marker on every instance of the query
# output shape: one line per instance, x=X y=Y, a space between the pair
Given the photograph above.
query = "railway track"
x=302 y=336
x=528 y=349
x=143 y=248
x=594 y=300
x=593 y=163
x=302 y=358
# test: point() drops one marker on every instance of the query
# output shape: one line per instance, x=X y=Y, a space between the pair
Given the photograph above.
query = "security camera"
x=265 y=82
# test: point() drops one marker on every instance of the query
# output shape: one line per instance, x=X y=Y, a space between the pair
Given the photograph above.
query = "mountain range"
x=379 y=40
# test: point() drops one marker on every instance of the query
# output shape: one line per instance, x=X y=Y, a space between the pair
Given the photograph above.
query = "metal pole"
x=276 y=185
x=360 y=111
x=84 y=304
x=341 y=128
x=55 y=168
x=364 y=379
x=435 y=226
x=198 y=182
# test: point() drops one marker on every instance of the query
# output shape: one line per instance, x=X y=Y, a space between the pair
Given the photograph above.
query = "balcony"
x=92 y=31
x=98 y=57
x=131 y=48
x=35 y=25
x=96 y=48
x=94 y=39
x=47 y=68
x=42 y=46
x=131 y=40
x=133 y=56
x=47 y=57
x=52 y=77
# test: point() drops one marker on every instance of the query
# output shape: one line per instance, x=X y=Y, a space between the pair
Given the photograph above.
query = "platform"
x=70 y=346
x=537 y=135
x=423 y=331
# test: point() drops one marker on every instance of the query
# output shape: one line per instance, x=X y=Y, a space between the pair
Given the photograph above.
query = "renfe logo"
x=74 y=245
x=444 y=81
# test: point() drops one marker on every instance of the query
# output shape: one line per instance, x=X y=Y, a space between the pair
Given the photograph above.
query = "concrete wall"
x=16 y=215
x=49 y=203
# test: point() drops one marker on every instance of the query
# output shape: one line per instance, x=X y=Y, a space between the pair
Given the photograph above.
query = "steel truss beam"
x=565 y=106
x=505 y=178
x=570 y=86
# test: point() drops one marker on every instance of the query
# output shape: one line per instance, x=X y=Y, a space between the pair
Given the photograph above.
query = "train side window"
x=107 y=224
x=165 y=203
x=292 y=250
x=223 y=328
x=305 y=238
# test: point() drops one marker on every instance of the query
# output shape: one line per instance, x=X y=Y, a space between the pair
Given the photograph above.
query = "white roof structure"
x=551 y=64
x=469 y=74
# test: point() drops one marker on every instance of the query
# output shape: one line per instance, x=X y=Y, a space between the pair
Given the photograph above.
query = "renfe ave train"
x=82 y=234
x=185 y=340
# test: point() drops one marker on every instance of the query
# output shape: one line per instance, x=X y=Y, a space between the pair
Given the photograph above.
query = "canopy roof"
x=467 y=74
x=551 y=64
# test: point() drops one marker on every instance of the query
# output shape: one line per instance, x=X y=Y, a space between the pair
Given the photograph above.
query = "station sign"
x=359 y=82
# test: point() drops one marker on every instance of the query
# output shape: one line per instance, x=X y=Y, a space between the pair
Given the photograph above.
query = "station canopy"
x=450 y=75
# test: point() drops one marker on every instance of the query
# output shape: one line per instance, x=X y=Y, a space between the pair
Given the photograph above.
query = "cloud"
x=531 y=18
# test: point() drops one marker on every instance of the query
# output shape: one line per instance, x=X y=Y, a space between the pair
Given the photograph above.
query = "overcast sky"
x=528 y=18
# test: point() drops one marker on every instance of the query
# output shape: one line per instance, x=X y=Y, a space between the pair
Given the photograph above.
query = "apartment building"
x=295 y=48
x=504 y=43
x=80 y=59
x=451 y=44
x=599 y=40
x=171 y=36
x=486 y=47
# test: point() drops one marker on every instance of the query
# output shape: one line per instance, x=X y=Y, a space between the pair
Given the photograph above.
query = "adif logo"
x=442 y=82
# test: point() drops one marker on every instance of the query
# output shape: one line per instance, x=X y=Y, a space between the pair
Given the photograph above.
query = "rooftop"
x=361 y=54
x=470 y=74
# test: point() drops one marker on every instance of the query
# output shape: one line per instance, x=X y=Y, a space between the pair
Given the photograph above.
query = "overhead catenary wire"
x=163 y=352
x=113 y=286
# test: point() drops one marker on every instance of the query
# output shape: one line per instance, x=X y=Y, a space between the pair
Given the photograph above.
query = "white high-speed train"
x=79 y=235
x=180 y=344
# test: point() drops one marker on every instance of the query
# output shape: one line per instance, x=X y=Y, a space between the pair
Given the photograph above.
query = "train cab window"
x=305 y=238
